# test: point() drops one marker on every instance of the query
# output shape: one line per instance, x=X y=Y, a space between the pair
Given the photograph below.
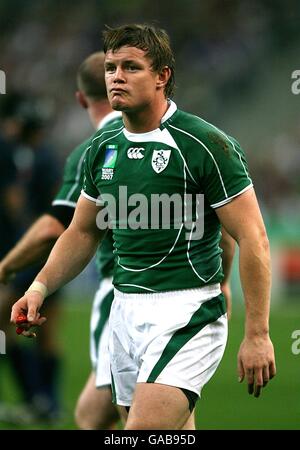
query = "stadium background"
x=234 y=65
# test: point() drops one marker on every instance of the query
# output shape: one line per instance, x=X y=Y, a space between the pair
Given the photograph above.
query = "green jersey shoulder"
x=70 y=188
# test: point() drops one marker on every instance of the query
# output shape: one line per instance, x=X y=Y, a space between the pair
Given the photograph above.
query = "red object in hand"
x=19 y=330
x=22 y=318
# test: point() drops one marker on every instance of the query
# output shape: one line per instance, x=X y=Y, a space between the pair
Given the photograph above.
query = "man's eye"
x=110 y=69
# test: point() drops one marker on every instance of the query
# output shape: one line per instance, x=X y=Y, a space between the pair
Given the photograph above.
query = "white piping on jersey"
x=111 y=137
x=200 y=142
x=64 y=203
x=156 y=264
x=88 y=196
x=77 y=178
x=186 y=166
x=228 y=200
x=104 y=132
x=232 y=143
x=136 y=285
x=191 y=264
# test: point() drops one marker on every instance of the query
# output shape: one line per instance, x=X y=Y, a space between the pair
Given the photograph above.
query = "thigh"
x=158 y=407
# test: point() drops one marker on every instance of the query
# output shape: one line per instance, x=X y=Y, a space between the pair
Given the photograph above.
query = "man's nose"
x=119 y=75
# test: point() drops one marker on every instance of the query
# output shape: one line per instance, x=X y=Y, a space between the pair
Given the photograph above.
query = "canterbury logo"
x=135 y=153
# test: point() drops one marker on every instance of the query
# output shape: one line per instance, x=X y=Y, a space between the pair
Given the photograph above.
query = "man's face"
x=130 y=81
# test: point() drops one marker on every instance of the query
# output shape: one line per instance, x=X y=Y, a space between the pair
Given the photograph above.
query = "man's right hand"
x=29 y=305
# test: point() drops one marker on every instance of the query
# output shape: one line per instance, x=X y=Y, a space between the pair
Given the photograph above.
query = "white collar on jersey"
x=147 y=136
x=110 y=116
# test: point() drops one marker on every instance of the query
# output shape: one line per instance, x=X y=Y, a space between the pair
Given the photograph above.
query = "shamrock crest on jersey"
x=160 y=160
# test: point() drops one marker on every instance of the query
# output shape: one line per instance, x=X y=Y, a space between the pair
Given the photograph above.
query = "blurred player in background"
x=94 y=409
x=35 y=368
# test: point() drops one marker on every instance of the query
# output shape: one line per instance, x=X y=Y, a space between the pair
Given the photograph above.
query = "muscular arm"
x=33 y=247
x=227 y=244
x=243 y=220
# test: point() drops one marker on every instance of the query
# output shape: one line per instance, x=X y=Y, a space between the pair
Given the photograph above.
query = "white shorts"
x=175 y=338
x=99 y=333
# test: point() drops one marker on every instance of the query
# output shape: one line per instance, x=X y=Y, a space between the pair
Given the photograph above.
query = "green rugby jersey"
x=70 y=190
x=185 y=156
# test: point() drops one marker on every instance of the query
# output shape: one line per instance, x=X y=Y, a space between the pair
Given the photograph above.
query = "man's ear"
x=80 y=97
x=163 y=77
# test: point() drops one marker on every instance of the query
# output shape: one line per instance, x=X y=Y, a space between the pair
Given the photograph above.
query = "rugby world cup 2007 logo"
x=110 y=158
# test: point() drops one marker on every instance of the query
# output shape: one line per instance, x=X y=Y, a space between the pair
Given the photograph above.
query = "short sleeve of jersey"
x=225 y=170
x=71 y=186
x=89 y=190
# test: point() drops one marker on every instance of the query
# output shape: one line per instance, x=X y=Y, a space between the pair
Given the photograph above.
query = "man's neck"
x=146 y=120
x=98 y=110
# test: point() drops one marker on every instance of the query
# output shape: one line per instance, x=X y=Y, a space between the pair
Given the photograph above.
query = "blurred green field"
x=225 y=403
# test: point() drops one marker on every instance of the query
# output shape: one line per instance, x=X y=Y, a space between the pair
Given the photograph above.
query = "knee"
x=136 y=425
x=79 y=417
x=83 y=419
x=101 y=419
x=145 y=424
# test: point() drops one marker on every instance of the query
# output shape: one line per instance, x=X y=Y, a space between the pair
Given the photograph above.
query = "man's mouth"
x=116 y=91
